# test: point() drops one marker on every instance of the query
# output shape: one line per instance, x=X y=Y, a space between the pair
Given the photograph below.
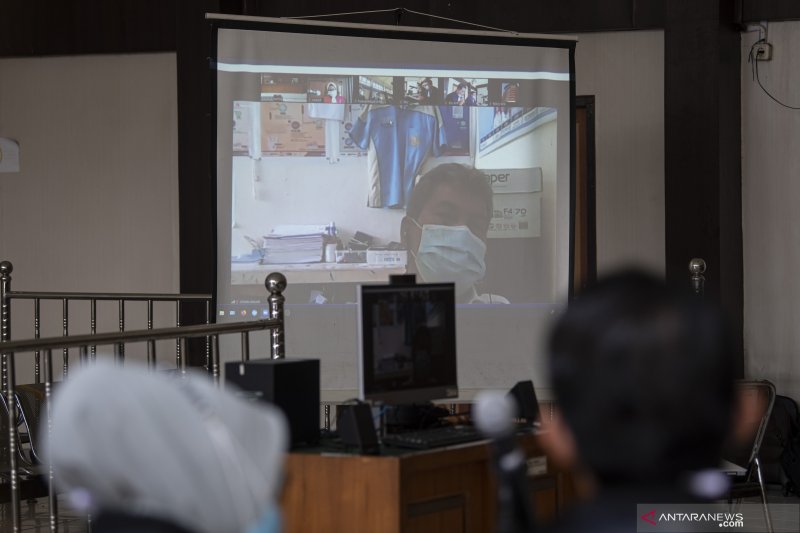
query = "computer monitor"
x=407 y=343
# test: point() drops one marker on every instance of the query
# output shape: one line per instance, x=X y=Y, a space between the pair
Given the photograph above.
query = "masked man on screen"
x=445 y=228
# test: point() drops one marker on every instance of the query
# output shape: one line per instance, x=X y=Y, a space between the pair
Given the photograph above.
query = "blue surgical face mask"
x=270 y=522
x=450 y=254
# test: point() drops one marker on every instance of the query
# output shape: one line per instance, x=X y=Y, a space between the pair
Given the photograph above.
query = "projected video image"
x=509 y=92
x=423 y=91
x=283 y=88
x=330 y=90
x=467 y=91
x=375 y=89
x=329 y=191
x=344 y=156
x=287 y=129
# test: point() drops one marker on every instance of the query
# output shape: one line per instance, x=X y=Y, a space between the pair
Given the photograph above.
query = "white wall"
x=295 y=190
x=770 y=217
x=95 y=206
x=625 y=73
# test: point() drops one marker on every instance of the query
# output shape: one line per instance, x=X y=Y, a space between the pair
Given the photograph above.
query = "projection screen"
x=326 y=135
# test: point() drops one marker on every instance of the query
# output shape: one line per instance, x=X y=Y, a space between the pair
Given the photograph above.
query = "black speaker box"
x=290 y=384
x=525 y=397
x=356 y=428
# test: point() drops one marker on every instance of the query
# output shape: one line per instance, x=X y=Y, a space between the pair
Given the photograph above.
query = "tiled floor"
x=35 y=515
x=784 y=517
x=35 y=518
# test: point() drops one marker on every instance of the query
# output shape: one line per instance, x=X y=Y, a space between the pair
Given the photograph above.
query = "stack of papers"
x=294 y=244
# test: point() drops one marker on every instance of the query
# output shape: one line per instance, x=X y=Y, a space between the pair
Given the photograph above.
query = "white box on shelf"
x=396 y=258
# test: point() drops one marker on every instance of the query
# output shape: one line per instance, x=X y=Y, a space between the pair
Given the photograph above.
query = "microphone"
x=494 y=414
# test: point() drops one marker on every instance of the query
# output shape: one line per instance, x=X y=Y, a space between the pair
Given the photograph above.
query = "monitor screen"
x=407 y=343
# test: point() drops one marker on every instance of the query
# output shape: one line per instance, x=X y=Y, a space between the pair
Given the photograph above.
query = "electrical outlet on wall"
x=762 y=52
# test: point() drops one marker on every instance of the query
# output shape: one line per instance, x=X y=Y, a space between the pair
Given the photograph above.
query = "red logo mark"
x=650 y=518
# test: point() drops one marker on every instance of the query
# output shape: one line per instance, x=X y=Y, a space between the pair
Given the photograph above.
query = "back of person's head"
x=131 y=443
x=643 y=377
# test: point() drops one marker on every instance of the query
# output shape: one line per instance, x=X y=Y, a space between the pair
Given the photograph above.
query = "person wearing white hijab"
x=148 y=452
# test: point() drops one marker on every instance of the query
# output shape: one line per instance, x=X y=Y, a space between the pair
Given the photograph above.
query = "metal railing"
x=47 y=345
x=7 y=296
x=87 y=343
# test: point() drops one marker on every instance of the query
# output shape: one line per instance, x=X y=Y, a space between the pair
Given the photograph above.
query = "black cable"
x=754 y=60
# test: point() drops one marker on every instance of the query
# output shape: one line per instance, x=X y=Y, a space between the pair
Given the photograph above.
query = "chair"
x=31 y=405
x=5 y=451
x=756 y=399
x=30 y=481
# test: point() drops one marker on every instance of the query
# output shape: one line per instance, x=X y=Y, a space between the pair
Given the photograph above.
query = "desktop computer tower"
x=290 y=384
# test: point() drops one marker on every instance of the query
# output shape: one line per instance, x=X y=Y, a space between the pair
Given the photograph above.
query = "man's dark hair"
x=644 y=378
x=472 y=180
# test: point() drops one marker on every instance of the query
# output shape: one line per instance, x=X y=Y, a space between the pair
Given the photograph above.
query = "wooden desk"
x=447 y=489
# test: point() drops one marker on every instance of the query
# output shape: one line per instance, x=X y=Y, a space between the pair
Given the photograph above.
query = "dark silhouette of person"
x=644 y=383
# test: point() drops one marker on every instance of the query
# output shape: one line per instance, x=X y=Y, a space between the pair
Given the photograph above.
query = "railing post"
x=151 y=345
x=37 y=334
x=215 y=359
x=5 y=315
x=276 y=284
x=183 y=341
x=93 y=326
x=65 y=325
x=697 y=268
x=8 y=388
x=208 y=339
x=178 y=352
x=121 y=316
x=13 y=451
x=327 y=418
x=245 y=347
x=52 y=501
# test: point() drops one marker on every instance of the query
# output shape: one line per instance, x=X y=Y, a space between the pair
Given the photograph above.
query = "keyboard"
x=433 y=438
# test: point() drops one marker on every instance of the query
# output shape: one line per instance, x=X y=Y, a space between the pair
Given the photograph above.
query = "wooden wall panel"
x=45 y=27
x=540 y=16
x=702 y=151
x=760 y=10
x=71 y=27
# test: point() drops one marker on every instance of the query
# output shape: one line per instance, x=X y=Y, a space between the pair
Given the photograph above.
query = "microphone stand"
x=514 y=509
x=494 y=414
